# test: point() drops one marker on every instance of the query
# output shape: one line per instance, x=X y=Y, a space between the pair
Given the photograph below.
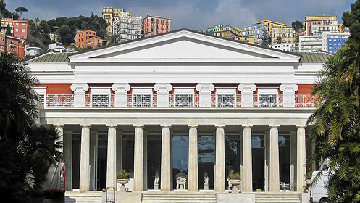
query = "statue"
x=156 y=180
x=180 y=180
x=206 y=181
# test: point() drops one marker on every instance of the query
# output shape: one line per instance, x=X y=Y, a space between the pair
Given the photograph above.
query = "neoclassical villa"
x=178 y=112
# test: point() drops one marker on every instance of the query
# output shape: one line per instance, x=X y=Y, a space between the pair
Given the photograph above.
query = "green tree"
x=21 y=10
x=297 y=25
x=335 y=126
x=66 y=34
x=26 y=149
x=278 y=40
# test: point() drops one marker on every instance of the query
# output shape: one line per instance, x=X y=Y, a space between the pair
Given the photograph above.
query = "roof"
x=193 y=31
x=63 y=57
x=51 y=57
x=313 y=57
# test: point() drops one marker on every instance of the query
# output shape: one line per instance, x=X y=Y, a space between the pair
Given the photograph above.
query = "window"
x=225 y=97
x=100 y=97
x=142 y=97
x=100 y=100
x=267 y=97
x=184 y=97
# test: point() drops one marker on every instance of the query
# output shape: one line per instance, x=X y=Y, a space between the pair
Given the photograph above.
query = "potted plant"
x=122 y=179
x=234 y=181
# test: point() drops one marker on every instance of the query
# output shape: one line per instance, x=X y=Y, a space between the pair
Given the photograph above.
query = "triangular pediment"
x=184 y=44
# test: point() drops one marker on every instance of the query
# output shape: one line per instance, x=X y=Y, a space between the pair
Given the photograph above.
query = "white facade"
x=127 y=28
x=285 y=47
x=327 y=35
x=310 y=43
x=184 y=85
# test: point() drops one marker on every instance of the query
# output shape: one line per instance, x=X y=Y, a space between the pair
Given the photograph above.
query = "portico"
x=181 y=105
x=229 y=123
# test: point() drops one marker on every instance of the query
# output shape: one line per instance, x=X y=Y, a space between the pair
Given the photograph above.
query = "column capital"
x=193 y=125
x=205 y=87
x=138 y=125
x=300 y=126
x=274 y=125
x=111 y=125
x=220 y=126
x=85 y=125
x=58 y=125
x=247 y=87
x=76 y=87
x=162 y=87
x=165 y=125
x=247 y=125
x=288 y=87
x=120 y=87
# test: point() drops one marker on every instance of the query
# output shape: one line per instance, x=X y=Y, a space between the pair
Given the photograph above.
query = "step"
x=277 y=197
x=82 y=197
x=179 y=197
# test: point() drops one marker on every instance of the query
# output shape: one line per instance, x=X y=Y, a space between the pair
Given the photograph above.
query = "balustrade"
x=176 y=100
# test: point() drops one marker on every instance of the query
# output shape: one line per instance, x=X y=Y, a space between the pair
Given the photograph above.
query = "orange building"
x=153 y=25
x=87 y=38
x=14 y=45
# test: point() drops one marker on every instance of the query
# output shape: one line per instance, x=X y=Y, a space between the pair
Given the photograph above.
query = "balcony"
x=175 y=101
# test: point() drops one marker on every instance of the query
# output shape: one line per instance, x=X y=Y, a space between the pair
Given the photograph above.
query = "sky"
x=191 y=14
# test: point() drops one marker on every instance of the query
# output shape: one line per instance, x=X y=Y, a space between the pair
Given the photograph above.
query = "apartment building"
x=257 y=30
x=316 y=25
x=87 y=38
x=332 y=42
x=18 y=28
x=283 y=35
x=269 y=25
x=310 y=43
x=12 y=45
x=127 y=28
x=153 y=25
x=110 y=15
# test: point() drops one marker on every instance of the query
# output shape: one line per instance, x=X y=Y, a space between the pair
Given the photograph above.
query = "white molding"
x=120 y=87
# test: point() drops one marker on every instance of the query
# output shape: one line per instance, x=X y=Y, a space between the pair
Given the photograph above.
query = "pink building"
x=18 y=28
x=153 y=25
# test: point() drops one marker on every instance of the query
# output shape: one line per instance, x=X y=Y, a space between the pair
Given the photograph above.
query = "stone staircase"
x=178 y=197
x=83 y=197
x=277 y=197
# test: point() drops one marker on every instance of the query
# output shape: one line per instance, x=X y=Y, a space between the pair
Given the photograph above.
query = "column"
x=120 y=90
x=247 y=94
x=274 y=171
x=68 y=159
x=293 y=154
x=301 y=159
x=219 y=185
x=162 y=92
x=111 y=157
x=193 y=159
x=79 y=94
x=247 y=162
x=165 y=159
x=288 y=94
x=118 y=152
x=60 y=140
x=145 y=136
x=85 y=159
x=139 y=158
x=205 y=94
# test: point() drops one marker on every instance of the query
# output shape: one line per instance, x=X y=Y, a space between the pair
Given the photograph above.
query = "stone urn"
x=120 y=183
x=235 y=183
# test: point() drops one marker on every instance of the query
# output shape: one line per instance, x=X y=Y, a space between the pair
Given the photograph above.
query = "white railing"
x=59 y=100
x=305 y=100
x=268 y=100
x=176 y=100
